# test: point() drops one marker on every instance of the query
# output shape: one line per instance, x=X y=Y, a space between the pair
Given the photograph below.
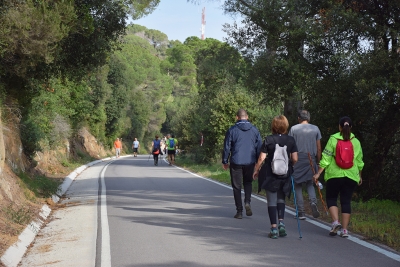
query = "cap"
x=345 y=119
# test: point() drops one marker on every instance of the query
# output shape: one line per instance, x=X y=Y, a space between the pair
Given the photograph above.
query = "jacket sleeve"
x=259 y=144
x=359 y=156
x=227 y=147
x=327 y=153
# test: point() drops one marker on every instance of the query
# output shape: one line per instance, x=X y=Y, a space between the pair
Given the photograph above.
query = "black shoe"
x=248 y=209
x=238 y=215
x=301 y=216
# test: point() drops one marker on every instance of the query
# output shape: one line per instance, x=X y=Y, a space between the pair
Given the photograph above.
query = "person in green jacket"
x=171 y=145
x=340 y=180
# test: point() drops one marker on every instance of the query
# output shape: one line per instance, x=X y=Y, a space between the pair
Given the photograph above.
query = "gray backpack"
x=280 y=161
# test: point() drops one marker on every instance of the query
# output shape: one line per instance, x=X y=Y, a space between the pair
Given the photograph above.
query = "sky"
x=179 y=19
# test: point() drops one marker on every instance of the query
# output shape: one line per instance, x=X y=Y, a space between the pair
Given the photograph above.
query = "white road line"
x=378 y=249
x=105 y=231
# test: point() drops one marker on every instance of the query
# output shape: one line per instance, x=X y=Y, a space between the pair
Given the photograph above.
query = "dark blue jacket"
x=242 y=143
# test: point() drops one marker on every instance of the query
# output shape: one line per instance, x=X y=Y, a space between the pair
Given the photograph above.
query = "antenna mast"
x=203 y=23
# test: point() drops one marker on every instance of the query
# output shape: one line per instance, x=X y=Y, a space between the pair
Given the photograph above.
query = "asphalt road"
x=164 y=216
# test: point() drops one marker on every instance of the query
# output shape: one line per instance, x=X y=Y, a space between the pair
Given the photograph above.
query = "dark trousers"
x=343 y=186
x=155 y=157
x=241 y=174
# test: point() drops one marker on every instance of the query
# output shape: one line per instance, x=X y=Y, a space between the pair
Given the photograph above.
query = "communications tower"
x=203 y=23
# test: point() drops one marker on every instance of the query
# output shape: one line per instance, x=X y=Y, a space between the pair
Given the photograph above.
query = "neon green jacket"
x=332 y=170
x=175 y=144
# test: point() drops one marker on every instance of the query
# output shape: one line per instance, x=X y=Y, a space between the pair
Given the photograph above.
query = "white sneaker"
x=344 y=233
x=335 y=228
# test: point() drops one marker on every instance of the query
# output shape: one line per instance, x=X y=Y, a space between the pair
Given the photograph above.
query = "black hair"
x=346 y=124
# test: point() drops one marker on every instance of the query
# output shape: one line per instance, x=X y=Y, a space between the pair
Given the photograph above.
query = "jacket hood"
x=244 y=125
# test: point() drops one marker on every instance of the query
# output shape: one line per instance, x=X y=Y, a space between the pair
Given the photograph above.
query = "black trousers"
x=155 y=157
x=343 y=186
x=241 y=174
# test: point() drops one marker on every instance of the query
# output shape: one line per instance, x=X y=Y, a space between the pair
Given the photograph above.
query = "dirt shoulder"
x=19 y=204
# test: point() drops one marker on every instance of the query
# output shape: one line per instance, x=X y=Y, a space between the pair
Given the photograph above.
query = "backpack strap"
x=275 y=140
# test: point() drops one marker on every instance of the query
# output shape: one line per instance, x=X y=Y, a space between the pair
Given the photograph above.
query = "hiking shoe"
x=336 y=226
x=238 y=215
x=301 y=216
x=273 y=234
x=344 y=233
x=315 y=211
x=248 y=209
x=282 y=229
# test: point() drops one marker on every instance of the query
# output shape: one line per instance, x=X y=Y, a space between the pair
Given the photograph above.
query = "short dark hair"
x=241 y=113
x=304 y=115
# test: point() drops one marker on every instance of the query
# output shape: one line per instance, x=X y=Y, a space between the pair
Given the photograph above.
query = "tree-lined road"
x=165 y=216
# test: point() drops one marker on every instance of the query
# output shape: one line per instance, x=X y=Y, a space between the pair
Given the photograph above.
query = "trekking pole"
x=295 y=204
x=319 y=190
x=149 y=158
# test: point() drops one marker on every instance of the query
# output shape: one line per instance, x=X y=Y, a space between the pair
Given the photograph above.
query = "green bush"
x=41 y=186
x=31 y=134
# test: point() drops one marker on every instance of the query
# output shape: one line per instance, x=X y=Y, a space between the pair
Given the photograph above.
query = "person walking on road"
x=156 y=149
x=135 y=147
x=241 y=147
x=276 y=187
x=117 y=146
x=342 y=160
x=307 y=138
x=171 y=148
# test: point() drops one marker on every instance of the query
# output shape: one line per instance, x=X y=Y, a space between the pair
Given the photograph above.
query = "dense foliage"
x=75 y=63
x=59 y=61
x=208 y=91
x=334 y=58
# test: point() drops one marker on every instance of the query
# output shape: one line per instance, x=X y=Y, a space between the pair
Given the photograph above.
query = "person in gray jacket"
x=307 y=138
x=242 y=146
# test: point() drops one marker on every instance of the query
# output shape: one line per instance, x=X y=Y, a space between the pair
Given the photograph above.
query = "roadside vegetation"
x=40 y=186
x=69 y=65
x=375 y=220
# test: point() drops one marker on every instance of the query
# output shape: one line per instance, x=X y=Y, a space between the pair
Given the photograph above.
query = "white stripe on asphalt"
x=378 y=249
x=105 y=231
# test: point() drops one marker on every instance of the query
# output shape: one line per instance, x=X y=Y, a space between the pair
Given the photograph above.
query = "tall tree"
x=337 y=58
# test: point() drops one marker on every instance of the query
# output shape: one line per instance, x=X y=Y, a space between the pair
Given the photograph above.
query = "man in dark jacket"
x=241 y=147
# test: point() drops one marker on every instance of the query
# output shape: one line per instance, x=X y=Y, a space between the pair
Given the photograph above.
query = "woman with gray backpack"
x=275 y=173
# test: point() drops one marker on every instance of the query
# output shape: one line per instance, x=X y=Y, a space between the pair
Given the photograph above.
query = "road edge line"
x=352 y=238
x=14 y=254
